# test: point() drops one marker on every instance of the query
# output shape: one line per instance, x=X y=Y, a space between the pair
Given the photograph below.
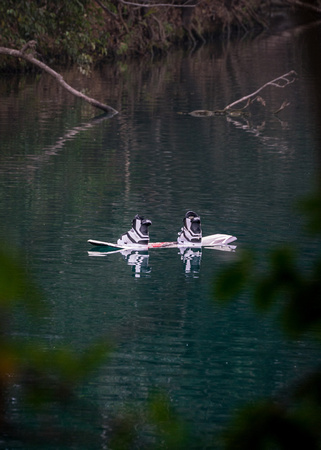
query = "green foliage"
x=155 y=426
x=15 y=282
x=311 y=207
x=268 y=425
x=47 y=382
x=231 y=282
x=45 y=377
x=283 y=286
x=293 y=421
x=170 y=429
x=76 y=30
x=70 y=31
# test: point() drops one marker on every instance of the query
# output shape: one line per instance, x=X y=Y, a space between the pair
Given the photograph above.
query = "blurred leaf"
x=283 y=268
x=264 y=293
x=311 y=207
x=310 y=388
x=94 y=356
x=63 y=362
x=150 y=12
x=231 y=280
x=171 y=430
x=302 y=312
x=265 y=426
x=279 y=278
x=49 y=375
x=16 y=284
x=8 y=360
x=123 y=433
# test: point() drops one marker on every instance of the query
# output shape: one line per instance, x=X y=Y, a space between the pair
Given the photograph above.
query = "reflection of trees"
x=129 y=167
x=290 y=419
x=34 y=163
x=209 y=78
x=37 y=384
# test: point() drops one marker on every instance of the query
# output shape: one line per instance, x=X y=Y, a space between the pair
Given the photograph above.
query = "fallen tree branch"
x=279 y=82
x=31 y=59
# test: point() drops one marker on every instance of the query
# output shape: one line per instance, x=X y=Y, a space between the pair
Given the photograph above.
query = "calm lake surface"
x=68 y=174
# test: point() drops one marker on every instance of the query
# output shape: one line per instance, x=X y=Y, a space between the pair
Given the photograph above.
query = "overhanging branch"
x=31 y=59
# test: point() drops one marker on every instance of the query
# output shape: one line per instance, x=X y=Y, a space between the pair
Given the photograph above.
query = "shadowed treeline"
x=291 y=418
x=87 y=31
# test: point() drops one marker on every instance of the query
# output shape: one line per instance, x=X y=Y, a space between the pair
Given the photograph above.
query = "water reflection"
x=73 y=132
x=191 y=258
x=139 y=259
x=35 y=161
x=242 y=174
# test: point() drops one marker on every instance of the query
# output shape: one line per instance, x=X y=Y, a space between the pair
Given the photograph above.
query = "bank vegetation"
x=87 y=32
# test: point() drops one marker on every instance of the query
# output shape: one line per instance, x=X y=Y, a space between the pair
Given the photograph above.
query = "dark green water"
x=65 y=178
